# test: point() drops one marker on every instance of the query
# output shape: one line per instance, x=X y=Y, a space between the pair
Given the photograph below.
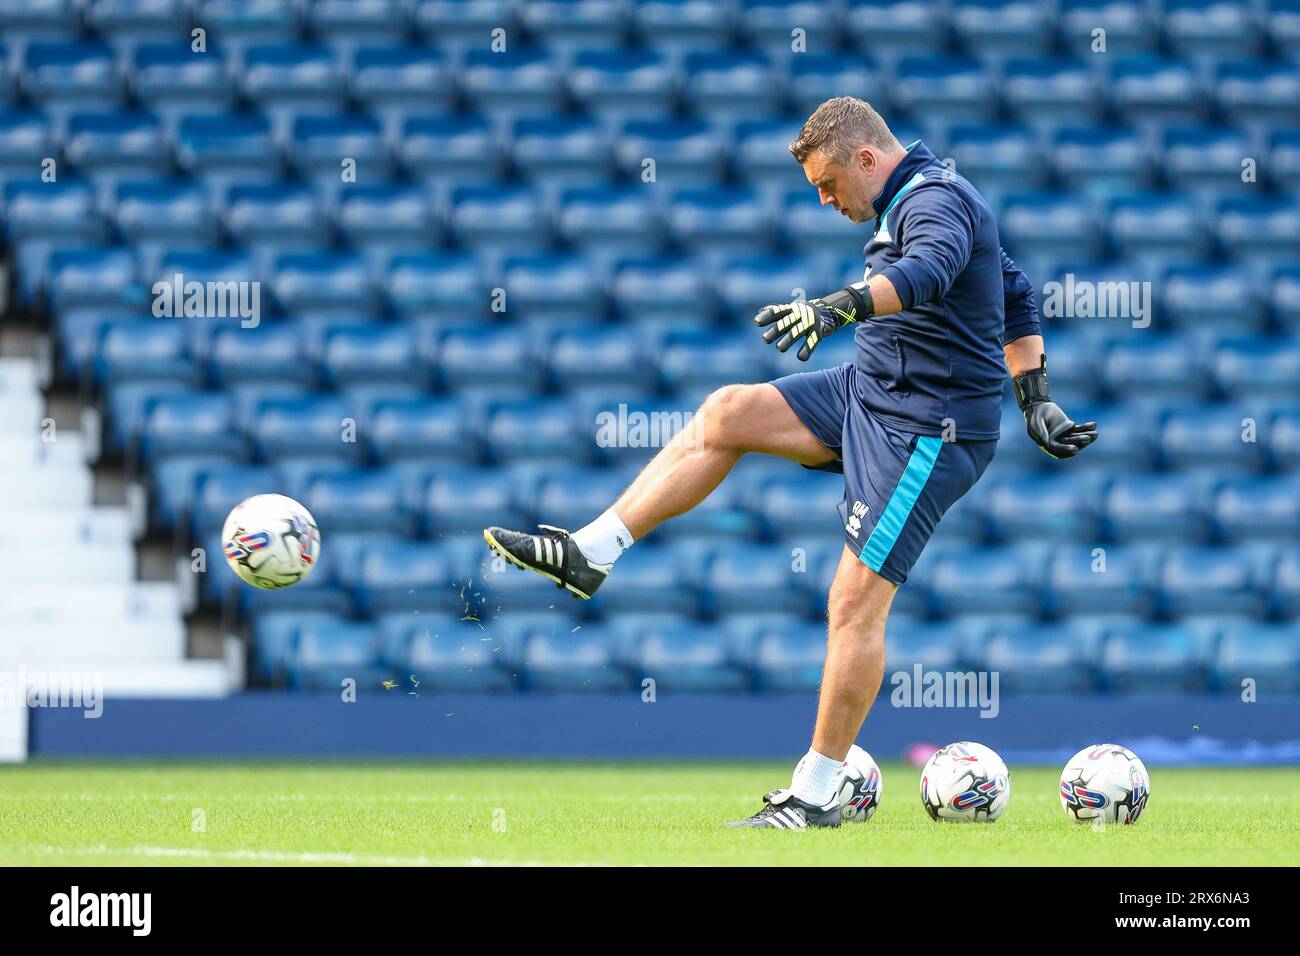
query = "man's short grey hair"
x=839 y=126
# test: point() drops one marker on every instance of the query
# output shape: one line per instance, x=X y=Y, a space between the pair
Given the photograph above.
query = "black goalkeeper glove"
x=1046 y=422
x=813 y=321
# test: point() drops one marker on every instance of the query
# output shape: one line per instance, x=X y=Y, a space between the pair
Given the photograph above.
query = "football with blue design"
x=862 y=787
x=1104 y=784
x=271 y=541
x=965 y=781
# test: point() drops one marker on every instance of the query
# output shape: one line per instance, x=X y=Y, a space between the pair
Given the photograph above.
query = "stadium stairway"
x=71 y=608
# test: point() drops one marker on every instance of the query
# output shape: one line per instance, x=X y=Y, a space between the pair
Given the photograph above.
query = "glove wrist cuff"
x=1031 y=386
x=850 y=304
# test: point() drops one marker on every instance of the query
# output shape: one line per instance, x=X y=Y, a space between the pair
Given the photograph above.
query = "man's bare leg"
x=732 y=421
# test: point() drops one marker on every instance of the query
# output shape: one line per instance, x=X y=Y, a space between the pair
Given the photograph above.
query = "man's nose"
x=826 y=198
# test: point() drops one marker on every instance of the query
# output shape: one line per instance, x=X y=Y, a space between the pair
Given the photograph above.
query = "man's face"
x=850 y=188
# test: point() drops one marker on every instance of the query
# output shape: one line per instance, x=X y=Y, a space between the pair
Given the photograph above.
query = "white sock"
x=816 y=778
x=604 y=539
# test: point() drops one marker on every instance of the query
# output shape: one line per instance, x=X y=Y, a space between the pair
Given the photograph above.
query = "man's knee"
x=859 y=597
x=726 y=414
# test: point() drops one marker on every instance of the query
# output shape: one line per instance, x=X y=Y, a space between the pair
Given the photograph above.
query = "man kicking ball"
x=940 y=317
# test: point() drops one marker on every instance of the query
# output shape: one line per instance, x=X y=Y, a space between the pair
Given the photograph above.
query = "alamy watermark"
x=960 y=689
x=83 y=690
x=633 y=428
x=176 y=298
x=1085 y=299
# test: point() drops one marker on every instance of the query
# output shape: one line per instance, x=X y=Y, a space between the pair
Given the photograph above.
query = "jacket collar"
x=918 y=156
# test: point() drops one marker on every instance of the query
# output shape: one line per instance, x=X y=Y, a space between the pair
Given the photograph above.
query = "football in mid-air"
x=1104 y=783
x=271 y=541
x=862 y=788
x=965 y=781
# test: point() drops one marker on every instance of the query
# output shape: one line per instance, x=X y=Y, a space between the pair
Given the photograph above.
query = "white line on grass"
x=272 y=856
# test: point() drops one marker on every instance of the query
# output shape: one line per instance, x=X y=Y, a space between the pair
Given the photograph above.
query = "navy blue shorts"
x=897 y=484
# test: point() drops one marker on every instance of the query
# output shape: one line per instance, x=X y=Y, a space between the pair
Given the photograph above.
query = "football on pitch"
x=965 y=781
x=1105 y=783
x=271 y=541
x=862 y=788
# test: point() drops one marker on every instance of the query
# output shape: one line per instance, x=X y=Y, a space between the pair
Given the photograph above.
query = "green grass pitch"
x=76 y=813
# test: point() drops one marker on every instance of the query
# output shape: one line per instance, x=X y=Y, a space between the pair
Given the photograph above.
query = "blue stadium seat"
x=570 y=497
x=1283 y=437
x=535 y=429
x=196 y=423
x=63 y=77
x=1081 y=578
x=1282 y=20
x=1155 y=506
x=320 y=145
x=1213 y=297
x=767 y=25
x=235 y=24
x=787 y=656
x=499 y=219
x=1258 y=508
x=896 y=26
x=461 y=23
x=1211 y=435
x=39 y=215
x=144 y=350
x=345 y=24
x=272 y=352
x=443 y=151
x=717 y=221
x=747 y=283
x=95 y=276
x=370 y=354
x=999 y=158
x=219 y=488
x=609 y=221
x=128 y=23
x=593 y=356
x=1059 y=506
x=272 y=219
x=382 y=220
x=1157 y=228
x=1039 y=225
x=984 y=580
x=361 y=500
x=1260 y=230
x=1284 y=160
x=619 y=85
x=460 y=500
x=730 y=84
x=1129 y=27
x=470 y=359
x=1198 y=580
x=693 y=360
x=517 y=81
x=271 y=638
x=566 y=25
x=797 y=501
x=1003 y=26
x=1206 y=159
x=552 y=286
x=910 y=642
x=687 y=657
x=1033 y=658
x=24 y=22
x=1148 y=89
x=438 y=283
x=760 y=155
x=26 y=138
x=658 y=290
x=557 y=151
x=1153 y=658
x=816 y=77
x=1158 y=367
x=310 y=426
x=110 y=147
x=753 y=578
x=1284 y=584
x=686 y=152
x=287 y=80
x=335 y=283
x=163 y=216
x=1256 y=367
x=398 y=83
x=172 y=81
x=1101 y=161
x=227 y=148
x=323 y=654
x=402 y=575
x=944 y=88
x=1208 y=29
x=1259 y=91
x=650 y=578
x=430 y=429
x=676 y=26
x=583 y=659
x=1266 y=654
x=809 y=227
x=77 y=332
